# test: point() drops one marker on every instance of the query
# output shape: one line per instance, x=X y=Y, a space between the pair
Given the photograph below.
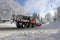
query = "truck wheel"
x=32 y=26
x=23 y=26
x=18 y=26
x=28 y=25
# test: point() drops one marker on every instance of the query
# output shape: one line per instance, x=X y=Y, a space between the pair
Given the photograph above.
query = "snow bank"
x=52 y=25
x=7 y=24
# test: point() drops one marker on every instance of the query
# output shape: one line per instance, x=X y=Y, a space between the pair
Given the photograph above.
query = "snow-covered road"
x=29 y=34
x=47 y=32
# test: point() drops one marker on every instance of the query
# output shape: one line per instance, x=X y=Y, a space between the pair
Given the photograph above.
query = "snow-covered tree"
x=49 y=17
x=8 y=8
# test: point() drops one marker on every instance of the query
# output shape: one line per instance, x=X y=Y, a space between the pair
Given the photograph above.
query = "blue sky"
x=21 y=2
x=40 y=6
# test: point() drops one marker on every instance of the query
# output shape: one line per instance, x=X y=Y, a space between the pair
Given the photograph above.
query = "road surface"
x=39 y=33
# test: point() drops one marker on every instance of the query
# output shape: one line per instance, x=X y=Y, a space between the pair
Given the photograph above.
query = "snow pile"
x=52 y=25
x=7 y=24
x=56 y=23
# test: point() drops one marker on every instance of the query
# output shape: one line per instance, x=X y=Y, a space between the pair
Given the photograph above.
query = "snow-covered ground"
x=7 y=24
x=46 y=32
x=52 y=25
x=32 y=34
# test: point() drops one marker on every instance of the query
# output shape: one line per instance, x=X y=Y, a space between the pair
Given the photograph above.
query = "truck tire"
x=32 y=25
x=28 y=25
x=18 y=26
x=23 y=26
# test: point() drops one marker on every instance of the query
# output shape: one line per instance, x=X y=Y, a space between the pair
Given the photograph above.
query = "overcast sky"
x=40 y=6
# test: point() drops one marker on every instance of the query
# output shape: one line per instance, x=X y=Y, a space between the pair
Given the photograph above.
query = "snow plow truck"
x=25 y=21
